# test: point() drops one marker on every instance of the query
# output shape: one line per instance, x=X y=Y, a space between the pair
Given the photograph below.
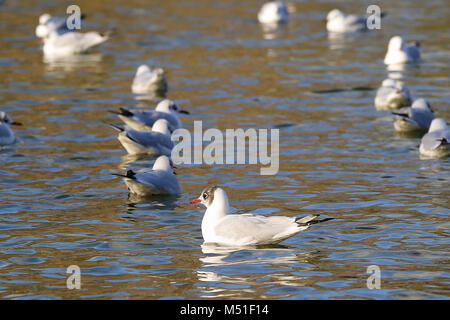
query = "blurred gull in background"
x=400 y=52
x=436 y=143
x=392 y=94
x=418 y=117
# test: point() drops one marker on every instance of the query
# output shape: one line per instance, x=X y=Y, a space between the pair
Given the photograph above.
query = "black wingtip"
x=443 y=141
x=126 y=112
x=130 y=174
x=116 y=127
x=400 y=114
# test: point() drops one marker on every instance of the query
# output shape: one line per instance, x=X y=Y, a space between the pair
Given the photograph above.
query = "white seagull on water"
x=399 y=52
x=147 y=80
x=273 y=12
x=160 y=180
x=392 y=94
x=220 y=227
x=72 y=42
x=339 y=22
x=436 y=143
x=418 y=117
x=6 y=134
x=144 y=120
x=155 y=142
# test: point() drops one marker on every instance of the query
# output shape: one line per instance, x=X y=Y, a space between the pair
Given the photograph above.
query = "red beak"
x=196 y=200
x=16 y=123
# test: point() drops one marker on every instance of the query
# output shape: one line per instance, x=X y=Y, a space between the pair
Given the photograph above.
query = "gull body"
x=6 y=133
x=220 y=227
x=144 y=119
x=160 y=180
x=392 y=94
x=273 y=12
x=418 y=117
x=339 y=22
x=147 y=80
x=399 y=52
x=72 y=42
x=155 y=142
x=436 y=143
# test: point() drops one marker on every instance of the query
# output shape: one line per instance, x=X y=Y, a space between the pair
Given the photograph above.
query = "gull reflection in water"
x=244 y=267
x=69 y=63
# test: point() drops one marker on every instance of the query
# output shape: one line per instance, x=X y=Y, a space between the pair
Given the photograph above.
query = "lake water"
x=60 y=205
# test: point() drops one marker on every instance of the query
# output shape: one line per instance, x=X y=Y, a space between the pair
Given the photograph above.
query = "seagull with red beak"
x=222 y=228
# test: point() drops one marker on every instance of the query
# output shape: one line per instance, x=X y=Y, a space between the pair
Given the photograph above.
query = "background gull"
x=400 y=52
x=6 y=134
x=436 y=143
x=418 y=117
x=147 y=80
x=155 y=142
x=159 y=180
x=144 y=120
x=392 y=94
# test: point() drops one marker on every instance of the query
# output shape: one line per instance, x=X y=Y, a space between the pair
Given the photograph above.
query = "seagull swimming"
x=400 y=52
x=6 y=134
x=339 y=22
x=49 y=24
x=72 y=42
x=147 y=80
x=418 y=117
x=220 y=227
x=436 y=143
x=144 y=120
x=392 y=94
x=160 y=180
x=273 y=12
x=155 y=142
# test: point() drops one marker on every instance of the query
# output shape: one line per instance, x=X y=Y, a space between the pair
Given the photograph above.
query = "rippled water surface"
x=60 y=205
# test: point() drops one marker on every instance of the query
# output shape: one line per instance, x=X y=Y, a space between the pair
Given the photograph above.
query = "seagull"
x=392 y=94
x=220 y=227
x=160 y=180
x=339 y=22
x=273 y=12
x=436 y=143
x=72 y=42
x=48 y=24
x=148 y=80
x=6 y=134
x=418 y=117
x=155 y=142
x=143 y=120
x=399 y=52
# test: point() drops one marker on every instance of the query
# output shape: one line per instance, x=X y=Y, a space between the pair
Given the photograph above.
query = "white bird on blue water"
x=418 y=117
x=147 y=80
x=220 y=227
x=160 y=180
x=72 y=42
x=273 y=12
x=392 y=94
x=436 y=143
x=399 y=52
x=6 y=133
x=155 y=142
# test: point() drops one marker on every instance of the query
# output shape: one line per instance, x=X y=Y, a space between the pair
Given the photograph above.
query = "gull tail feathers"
x=311 y=219
x=130 y=175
